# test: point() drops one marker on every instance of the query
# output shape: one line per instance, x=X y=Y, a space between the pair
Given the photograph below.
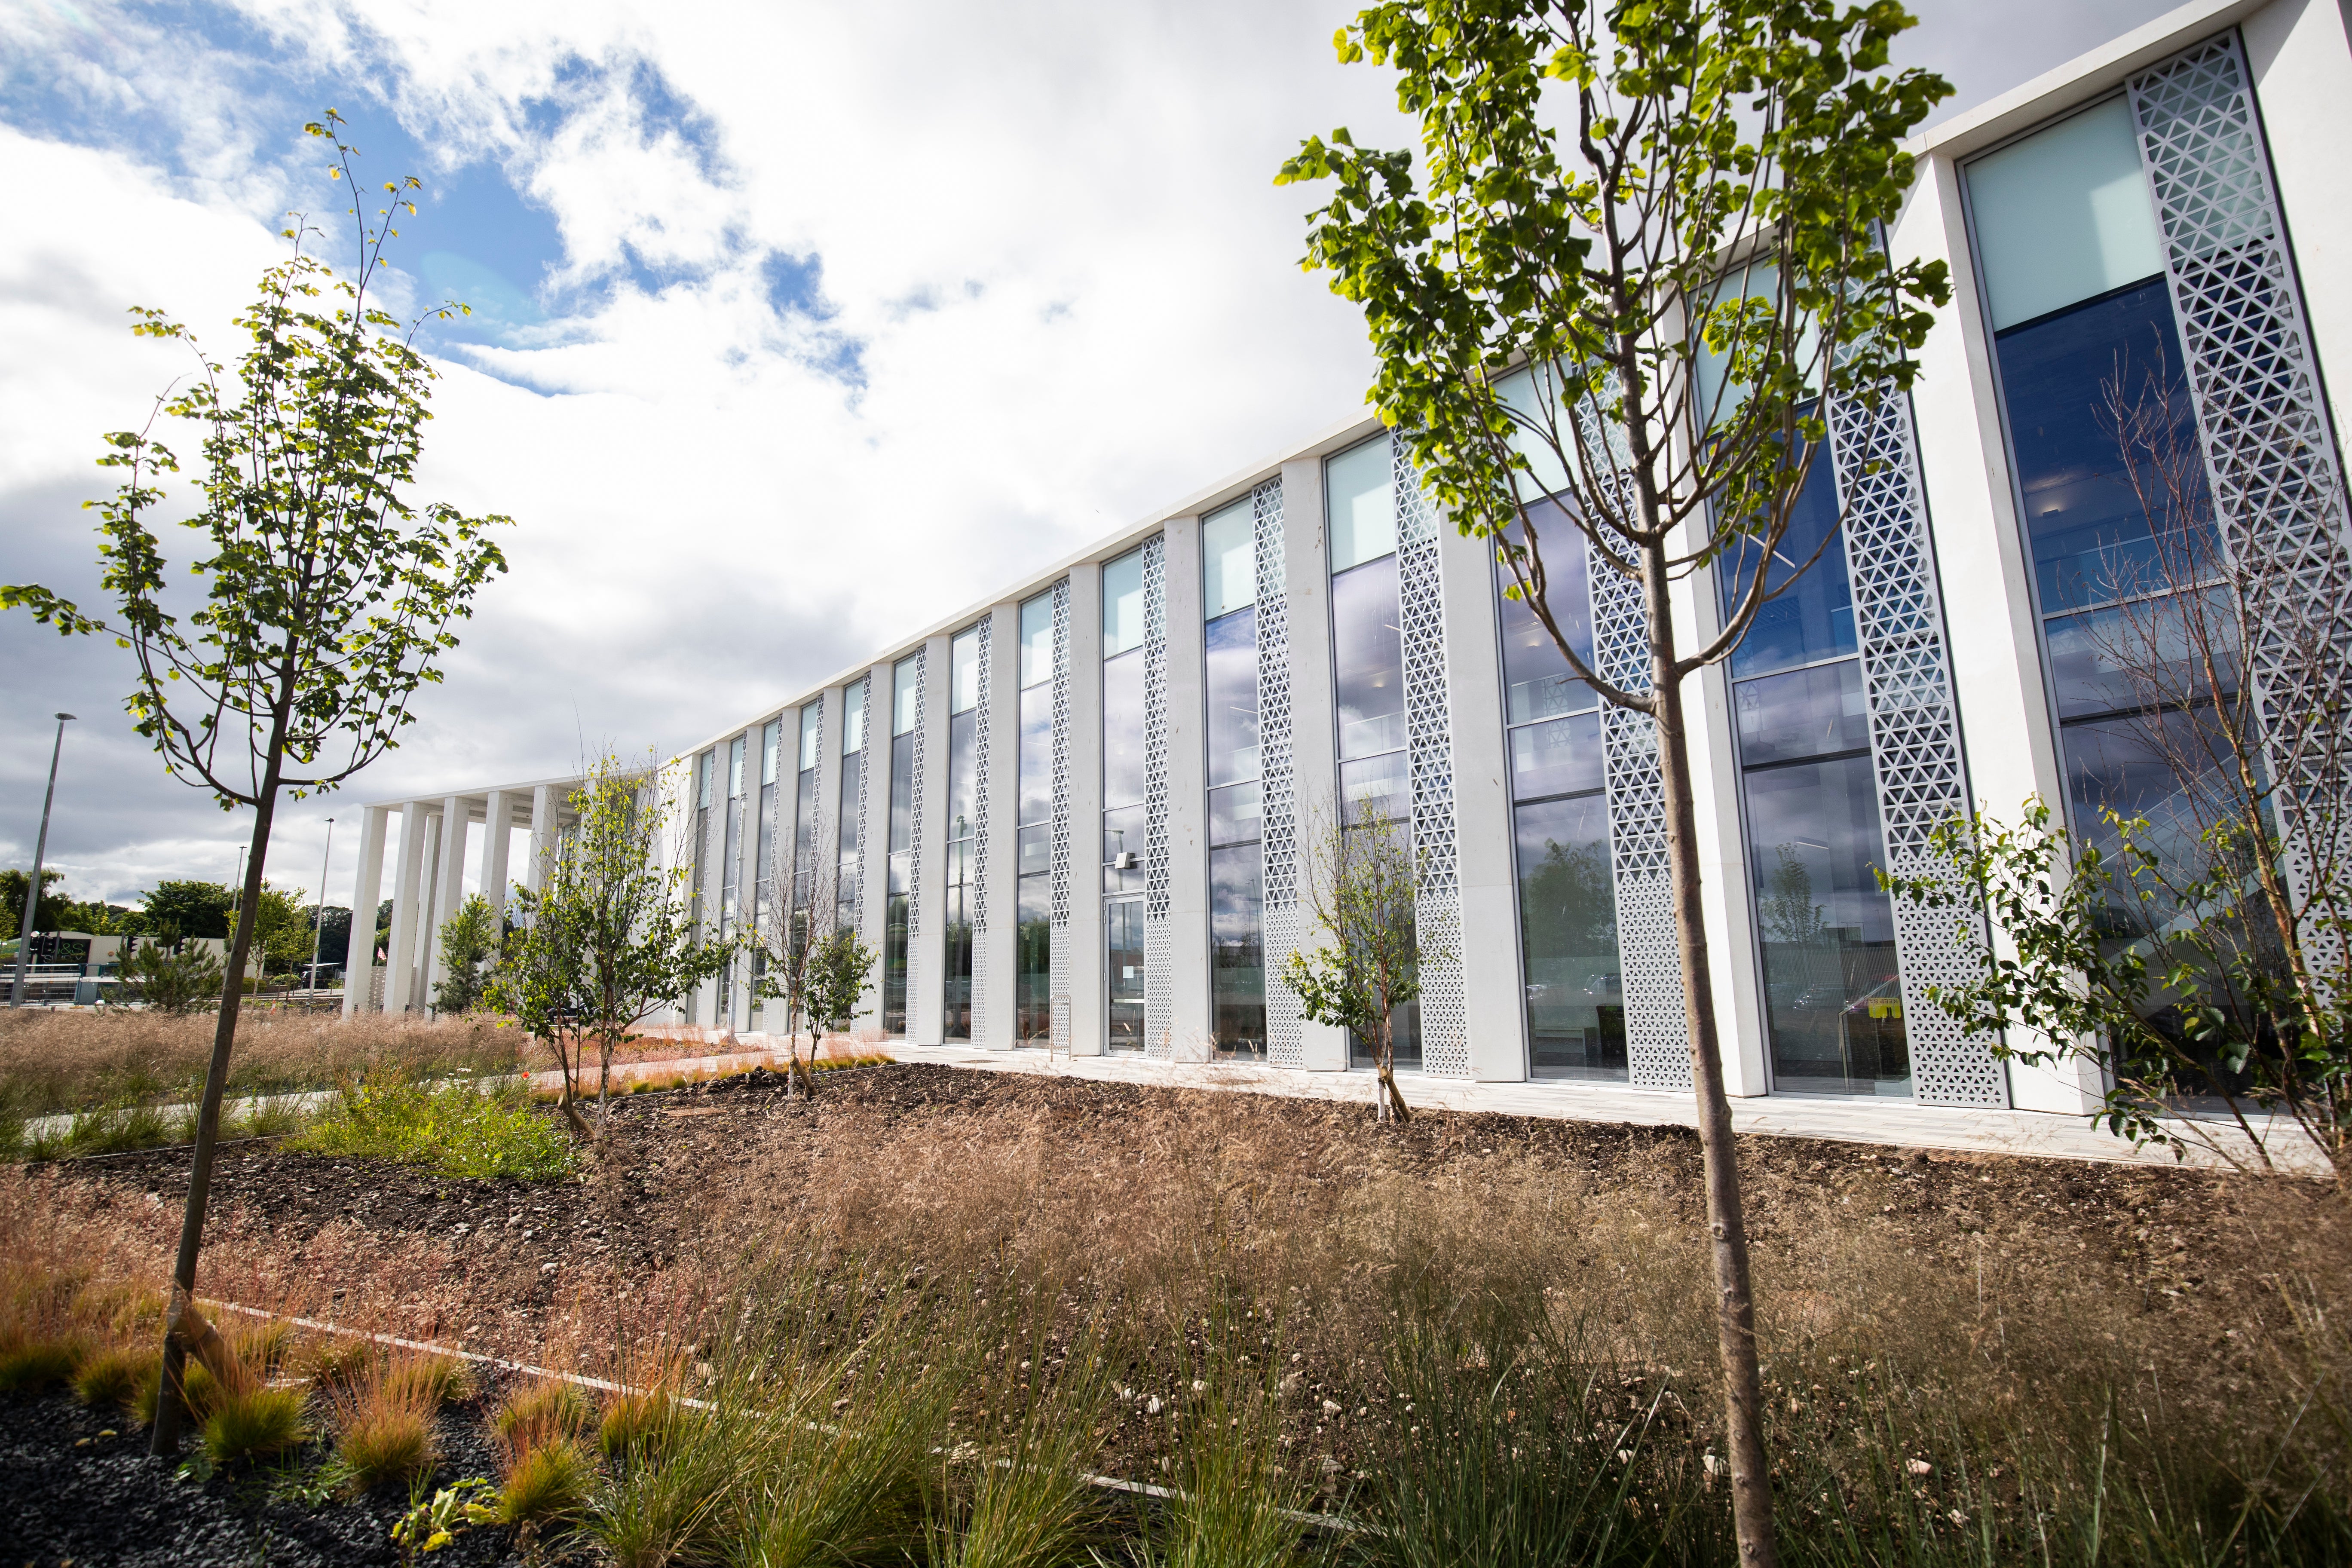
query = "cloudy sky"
x=795 y=325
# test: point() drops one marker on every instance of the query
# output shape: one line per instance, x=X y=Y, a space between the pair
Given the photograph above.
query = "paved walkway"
x=1900 y=1123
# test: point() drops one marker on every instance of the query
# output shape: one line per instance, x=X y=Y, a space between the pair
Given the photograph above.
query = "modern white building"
x=1075 y=813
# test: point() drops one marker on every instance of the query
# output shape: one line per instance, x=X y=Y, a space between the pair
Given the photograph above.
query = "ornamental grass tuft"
x=255 y=1424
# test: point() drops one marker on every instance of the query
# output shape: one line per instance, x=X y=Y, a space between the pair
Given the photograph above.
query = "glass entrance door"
x=1123 y=941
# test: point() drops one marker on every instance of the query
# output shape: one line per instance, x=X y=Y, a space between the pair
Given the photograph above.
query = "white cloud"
x=1048 y=233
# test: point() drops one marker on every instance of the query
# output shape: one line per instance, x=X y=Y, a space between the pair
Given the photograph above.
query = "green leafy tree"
x=609 y=937
x=286 y=656
x=1361 y=886
x=1669 y=214
x=469 y=942
x=168 y=977
x=49 y=914
x=839 y=978
x=181 y=909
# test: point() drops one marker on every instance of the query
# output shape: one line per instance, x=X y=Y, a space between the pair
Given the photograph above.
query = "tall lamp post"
x=40 y=851
x=319 y=911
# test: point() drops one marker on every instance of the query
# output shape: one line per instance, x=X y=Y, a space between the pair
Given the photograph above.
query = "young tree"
x=1360 y=885
x=322 y=597
x=1622 y=195
x=51 y=908
x=2188 y=939
x=797 y=944
x=840 y=975
x=470 y=941
x=610 y=936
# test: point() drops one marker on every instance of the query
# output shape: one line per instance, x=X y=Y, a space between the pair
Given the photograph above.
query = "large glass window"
x=805 y=848
x=963 y=829
x=1833 y=995
x=847 y=865
x=1034 y=956
x=1123 y=817
x=1560 y=818
x=763 y=862
x=2110 y=479
x=906 y=693
x=1368 y=659
x=730 y=872
x=705 y=768
x=1237 y=851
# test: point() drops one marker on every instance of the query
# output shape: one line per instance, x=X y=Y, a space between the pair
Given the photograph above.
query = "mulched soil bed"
x=75 y=1495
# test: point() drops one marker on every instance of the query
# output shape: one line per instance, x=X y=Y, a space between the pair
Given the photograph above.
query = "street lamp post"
x=318 y=911
x=40 y=852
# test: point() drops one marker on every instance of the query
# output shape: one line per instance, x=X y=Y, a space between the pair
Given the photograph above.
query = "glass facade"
x=847 y=865
x=763 y=912
x=730 y=872
x=1237 y=851
x=805 y=848
x=964 y=831
x=1368 y=665
x=705 y=766
x=2110 y=480
x=1122 y=796
x=1833 y=995
x=1560 y=826
x=906 y=695
x=1034 y=945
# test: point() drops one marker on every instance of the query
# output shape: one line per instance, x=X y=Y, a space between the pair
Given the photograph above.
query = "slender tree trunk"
x=1743 y=1383
x=169 y=1395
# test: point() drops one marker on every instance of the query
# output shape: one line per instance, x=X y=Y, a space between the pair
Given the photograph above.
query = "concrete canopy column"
x=400 y=955
x=996 y=939
x=543 y=836
x=1192 y=1023
x=367 y=890
x=1314 y=735
x=1494 y=986
x=448 y=889
x=498 y=825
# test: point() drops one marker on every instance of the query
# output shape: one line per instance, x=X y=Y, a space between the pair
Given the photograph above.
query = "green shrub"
x=259 y=1421
x=114 y=1376
x=455 y=1128
x=35 y=1365
x=547 y=1482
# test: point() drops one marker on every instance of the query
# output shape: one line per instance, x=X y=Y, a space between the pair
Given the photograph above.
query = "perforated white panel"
x=1158 y=989
x=976 y=900
x=1915 y=734
x=1429 y=750
x=1282 y=926
x=1057 y=969
x=2270 y=456
x=858 y=902
x=916 y=952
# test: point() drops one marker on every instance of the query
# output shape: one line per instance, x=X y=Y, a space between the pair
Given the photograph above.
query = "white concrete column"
x=400 y=955
x=543 y=836
x=996 y=947
x=367 y=891
x=1191 y=1020
x=498 y=828
x=825 y=852
x=1088 y=1025
x=2301 y=58
x=1314 y=734
x=927 y=960
x=449 y=889
x=1493 y=982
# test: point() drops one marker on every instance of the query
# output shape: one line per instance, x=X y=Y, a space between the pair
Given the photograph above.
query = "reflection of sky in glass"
x=2090 y=534
x=1536 y=679
x=1228 y=560
x=1122 y=604
x=1362 y=490
x=963 y=662
x=1037 y=640
x=1369 y=653
x=1231 y=668
x=1122 y=728
x=1036 y=754
x=1804 y=713
x=1813 y=619
x=2135 y=654
x=1559 y=757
